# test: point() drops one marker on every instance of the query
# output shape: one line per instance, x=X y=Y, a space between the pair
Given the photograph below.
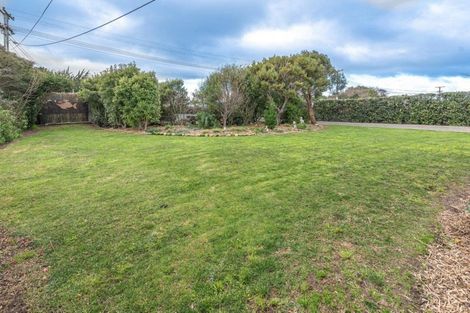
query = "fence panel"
x=63 y=108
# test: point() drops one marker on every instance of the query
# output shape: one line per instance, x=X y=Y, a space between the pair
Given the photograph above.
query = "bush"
x=139 y=100
x=294 y=111
x=206 y=120
x=99 y=92
x=8 y=128
x=270 y=116
x=430 y=109
x=96 y=110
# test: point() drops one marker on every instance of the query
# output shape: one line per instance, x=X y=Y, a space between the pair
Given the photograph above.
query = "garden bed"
x=236 y=131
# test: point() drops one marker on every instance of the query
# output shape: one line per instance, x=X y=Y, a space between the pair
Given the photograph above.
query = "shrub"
x=294 y=111
x=139 y=100
x=8 y=128
x=448 y=109
x=96 y=110
x=206 y=120
x=153 y=131
x=106 y=109
x=270 y=116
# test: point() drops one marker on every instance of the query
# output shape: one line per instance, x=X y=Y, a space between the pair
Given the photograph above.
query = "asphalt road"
x=457 y=129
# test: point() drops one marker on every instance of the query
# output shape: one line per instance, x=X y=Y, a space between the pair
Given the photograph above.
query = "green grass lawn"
x=322 y=221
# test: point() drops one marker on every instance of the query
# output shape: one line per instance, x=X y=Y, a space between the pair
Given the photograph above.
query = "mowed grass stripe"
x=325 y=220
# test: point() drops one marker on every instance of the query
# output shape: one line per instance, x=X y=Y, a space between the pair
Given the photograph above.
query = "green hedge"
x=8 y=129
x=430 y=109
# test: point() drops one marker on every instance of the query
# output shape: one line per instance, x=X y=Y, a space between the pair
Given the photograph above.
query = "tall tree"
x=255 y=100
x=278 y=77
x=224 y=91
x=311 y=73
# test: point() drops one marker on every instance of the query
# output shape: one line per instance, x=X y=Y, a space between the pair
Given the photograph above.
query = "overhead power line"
x=116 y=51
x=94 y=28
x=20 y=49
x=36 y=23
x=145 y=42
x=132 y=39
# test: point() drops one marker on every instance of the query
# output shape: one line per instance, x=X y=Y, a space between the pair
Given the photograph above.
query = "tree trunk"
x=280 y=111
x=224 y=119
x=310 y=109
x=311 y=114
x=278 y=117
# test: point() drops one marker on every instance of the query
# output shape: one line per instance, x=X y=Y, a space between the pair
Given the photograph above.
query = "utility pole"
x=6 y=29
x=439 y=89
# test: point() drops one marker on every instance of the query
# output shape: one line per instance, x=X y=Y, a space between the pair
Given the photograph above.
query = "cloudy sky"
x=403 y=46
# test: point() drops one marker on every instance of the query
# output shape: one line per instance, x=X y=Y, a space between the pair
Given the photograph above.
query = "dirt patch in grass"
x=21 y=272
x=445 y=277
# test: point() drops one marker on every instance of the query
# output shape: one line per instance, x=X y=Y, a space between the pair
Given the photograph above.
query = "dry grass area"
x=21 y=270
x=445 y=280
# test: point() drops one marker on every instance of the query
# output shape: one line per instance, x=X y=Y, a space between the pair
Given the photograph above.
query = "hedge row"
x=430 y=109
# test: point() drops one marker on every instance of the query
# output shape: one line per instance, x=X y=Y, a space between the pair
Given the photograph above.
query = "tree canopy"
x=123 y=95
x=174 y=99
x=139 y=98
x=224 y=91
x=283 y=78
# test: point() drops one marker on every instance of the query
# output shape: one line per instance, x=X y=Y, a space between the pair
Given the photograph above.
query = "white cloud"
x=43 y=57
x=294 y=37
x=411 y=84
x=365 y=52
x=281 y=12
x=445 y=18
x=192 y=85
x=323 y=36
x=391 y=3
x=287 y=27
x=280 y=33
x=99 y=12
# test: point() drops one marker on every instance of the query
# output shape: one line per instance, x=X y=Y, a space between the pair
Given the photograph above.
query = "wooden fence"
x=63 y=108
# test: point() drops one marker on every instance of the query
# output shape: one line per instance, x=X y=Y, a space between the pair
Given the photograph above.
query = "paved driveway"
x=459 y=129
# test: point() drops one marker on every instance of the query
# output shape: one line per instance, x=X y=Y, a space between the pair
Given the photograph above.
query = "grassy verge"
x=329 y=220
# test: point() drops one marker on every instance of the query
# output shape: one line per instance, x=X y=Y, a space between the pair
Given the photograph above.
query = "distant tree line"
x=280 y=88
x=125 y=96
x=275 y=90
x=359 y=92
